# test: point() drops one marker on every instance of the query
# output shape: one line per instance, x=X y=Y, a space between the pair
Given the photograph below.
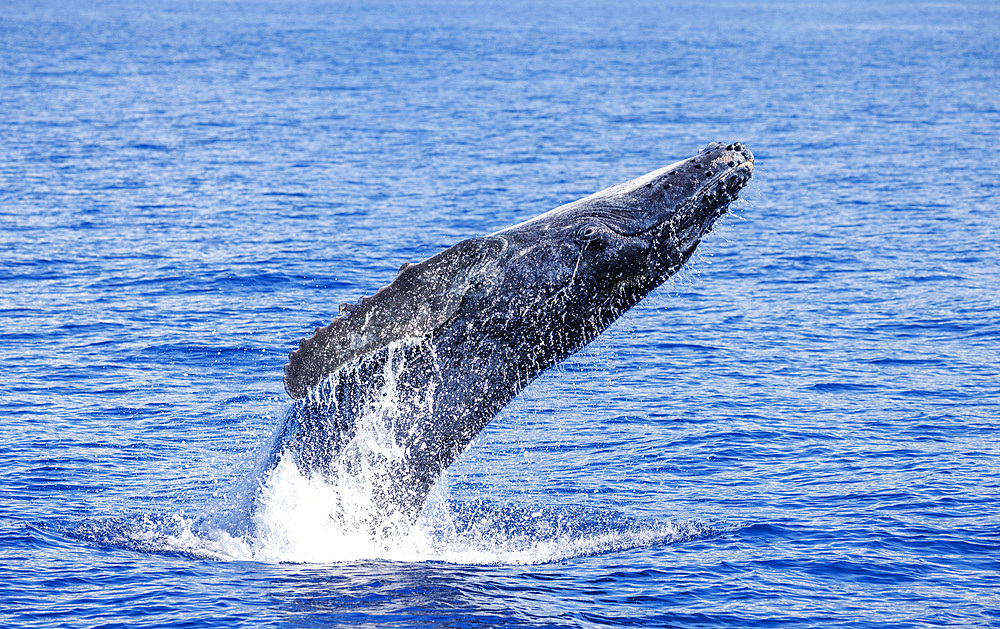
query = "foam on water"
x=318 y=500
x=298 y=521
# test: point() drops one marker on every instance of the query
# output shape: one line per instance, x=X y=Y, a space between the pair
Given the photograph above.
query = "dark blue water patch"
x=89 y=592
x=141 y=146
x=905 y=362
x=845 y=387
x=283 y=194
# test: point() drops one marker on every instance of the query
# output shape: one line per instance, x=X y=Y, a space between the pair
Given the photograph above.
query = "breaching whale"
x=437 y=353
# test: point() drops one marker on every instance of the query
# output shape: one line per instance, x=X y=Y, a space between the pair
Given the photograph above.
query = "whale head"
x=576 y=268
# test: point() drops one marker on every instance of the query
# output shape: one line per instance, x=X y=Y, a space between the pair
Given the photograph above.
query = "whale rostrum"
x=458 y=335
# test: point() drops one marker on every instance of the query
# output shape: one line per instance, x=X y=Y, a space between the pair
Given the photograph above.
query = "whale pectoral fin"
x=421 y=299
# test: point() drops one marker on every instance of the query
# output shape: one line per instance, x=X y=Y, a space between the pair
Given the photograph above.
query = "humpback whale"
x=437 y=353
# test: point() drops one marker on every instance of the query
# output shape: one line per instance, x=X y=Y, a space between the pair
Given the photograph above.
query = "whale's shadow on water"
x=432 y=594
x=383 y=593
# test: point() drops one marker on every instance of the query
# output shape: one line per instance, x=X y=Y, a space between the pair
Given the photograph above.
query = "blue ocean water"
x=799 y=430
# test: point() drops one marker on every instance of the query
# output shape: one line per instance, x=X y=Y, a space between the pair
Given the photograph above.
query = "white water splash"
x=297 y=527
x=336 y=511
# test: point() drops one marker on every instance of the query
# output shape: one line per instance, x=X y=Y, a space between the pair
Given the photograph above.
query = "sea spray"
x=325 y=500
x=336 y=470
x=327 y=491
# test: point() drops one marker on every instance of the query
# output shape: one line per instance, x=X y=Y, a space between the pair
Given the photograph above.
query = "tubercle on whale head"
x=711 y=181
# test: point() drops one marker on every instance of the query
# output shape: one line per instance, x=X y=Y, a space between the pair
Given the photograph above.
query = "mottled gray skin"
x=493 y=312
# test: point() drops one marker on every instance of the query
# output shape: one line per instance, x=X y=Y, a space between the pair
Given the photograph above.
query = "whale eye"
x=591 y=235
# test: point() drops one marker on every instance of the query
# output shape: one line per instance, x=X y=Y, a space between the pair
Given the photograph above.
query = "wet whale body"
x=396 y=387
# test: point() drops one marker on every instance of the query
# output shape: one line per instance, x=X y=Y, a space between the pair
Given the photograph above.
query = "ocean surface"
x=800 y=429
